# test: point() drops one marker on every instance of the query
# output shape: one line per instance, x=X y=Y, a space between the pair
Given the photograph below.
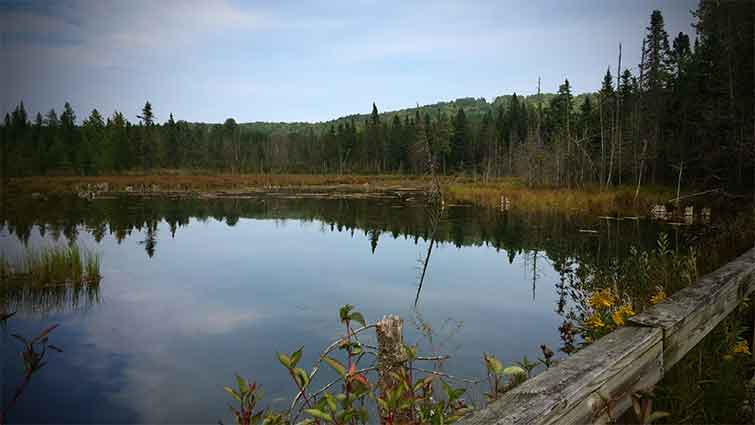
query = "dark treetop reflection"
x=226 y=283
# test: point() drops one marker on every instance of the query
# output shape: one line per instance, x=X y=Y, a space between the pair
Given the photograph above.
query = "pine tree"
x=5 y=151
x=656 y=79
x=460 y=140
x=38 y=145
x=92 y=152
x=657 y=57
x=122 y=150
x=172 y=150
x=146 y=148
x=397 y=145
x=69 y=137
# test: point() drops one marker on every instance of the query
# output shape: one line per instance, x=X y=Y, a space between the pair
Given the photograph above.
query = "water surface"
x=197 y=290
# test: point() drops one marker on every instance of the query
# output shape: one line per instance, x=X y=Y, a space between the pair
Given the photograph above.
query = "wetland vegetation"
x=507 y=234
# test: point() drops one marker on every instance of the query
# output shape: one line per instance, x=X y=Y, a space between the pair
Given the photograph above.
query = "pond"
x=195 y=290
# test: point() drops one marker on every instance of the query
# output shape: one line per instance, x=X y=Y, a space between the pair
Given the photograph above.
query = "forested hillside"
x=686 y=109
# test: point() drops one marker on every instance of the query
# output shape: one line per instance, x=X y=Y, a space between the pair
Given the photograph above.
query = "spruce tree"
x=69 y=137
x=460 y=140
x=146 y=148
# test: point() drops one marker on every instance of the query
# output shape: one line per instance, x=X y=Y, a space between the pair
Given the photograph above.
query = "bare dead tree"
x=639 y=122
x=434 y=208
x=618 y=115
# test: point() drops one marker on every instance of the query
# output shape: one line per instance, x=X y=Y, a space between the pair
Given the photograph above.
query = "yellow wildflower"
x=595 y=322
x=741 y=347
x=622 y=312
x=626 y=310
x=602 y=299
x=659 y=296
x=618 y=320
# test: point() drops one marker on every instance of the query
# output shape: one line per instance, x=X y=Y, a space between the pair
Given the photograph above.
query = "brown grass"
x=617 y=200
x=592 y=200
x=217 y=182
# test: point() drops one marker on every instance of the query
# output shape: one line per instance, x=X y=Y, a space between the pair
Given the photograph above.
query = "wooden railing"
x=596 y=384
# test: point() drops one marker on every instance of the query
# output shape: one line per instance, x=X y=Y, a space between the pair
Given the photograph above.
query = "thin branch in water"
x=445 y=375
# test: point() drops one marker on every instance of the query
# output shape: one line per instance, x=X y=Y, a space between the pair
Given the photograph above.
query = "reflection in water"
x=59 y=298
x=226 y=283
x=555 y=236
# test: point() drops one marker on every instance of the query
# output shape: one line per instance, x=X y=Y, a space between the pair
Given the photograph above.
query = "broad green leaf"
x=514 y=370
x=343 y=313
x=319 y=414
x=357 y=317
x=355 y=348
x=241 y=383
x=233 y=393
x=331 y=402
x=284 y=360
x=296 y=356
x=301 y=377
x=335 y=365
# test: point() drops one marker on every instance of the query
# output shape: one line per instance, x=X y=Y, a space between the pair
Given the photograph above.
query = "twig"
x=694 y=194
x=330 y=384
x=324 y=353
x=433 y=358
x=445 y=375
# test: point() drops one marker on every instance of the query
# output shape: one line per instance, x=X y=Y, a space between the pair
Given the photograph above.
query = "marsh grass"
x=50 y=279
x=590 y=199
x=709 y=385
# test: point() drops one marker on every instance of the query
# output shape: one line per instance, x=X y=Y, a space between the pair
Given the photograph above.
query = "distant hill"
x=473 y=107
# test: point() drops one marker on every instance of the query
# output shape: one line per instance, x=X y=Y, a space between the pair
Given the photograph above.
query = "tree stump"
x=391 y=360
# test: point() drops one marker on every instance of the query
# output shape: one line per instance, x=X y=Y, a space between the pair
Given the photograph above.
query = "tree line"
x=684 y=113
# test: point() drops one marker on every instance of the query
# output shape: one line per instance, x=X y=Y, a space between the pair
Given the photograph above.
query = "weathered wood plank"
x=593 y=384
x=690 y=314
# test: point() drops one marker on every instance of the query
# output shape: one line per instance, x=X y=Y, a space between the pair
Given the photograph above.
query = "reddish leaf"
x=360 y=378
x=44 y=333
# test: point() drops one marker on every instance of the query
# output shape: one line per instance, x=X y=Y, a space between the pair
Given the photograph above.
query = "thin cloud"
x=297 y=61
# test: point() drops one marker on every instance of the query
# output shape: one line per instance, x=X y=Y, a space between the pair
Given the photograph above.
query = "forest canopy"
x=687 y=108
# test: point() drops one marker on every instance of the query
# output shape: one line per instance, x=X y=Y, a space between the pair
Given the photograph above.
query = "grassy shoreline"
x=591 y=200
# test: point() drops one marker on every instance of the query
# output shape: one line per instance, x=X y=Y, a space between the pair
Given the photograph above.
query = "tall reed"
x=50 y=279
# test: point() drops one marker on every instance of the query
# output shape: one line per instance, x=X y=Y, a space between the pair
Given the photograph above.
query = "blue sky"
x=206 y=60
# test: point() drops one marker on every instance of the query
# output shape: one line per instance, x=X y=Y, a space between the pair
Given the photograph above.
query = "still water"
x=194 y=291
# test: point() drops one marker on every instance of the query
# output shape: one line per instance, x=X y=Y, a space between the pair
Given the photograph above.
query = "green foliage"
x=399 y=397
x=606 y=296
x=689 y=107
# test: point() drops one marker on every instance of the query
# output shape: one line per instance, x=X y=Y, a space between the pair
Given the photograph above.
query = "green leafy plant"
x=502 y=379
x=401 y=397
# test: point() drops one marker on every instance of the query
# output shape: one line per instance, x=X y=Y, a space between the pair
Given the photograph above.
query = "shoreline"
x=615 y=201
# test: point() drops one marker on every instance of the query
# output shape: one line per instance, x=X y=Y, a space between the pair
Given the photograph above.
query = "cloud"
x=285 y=61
